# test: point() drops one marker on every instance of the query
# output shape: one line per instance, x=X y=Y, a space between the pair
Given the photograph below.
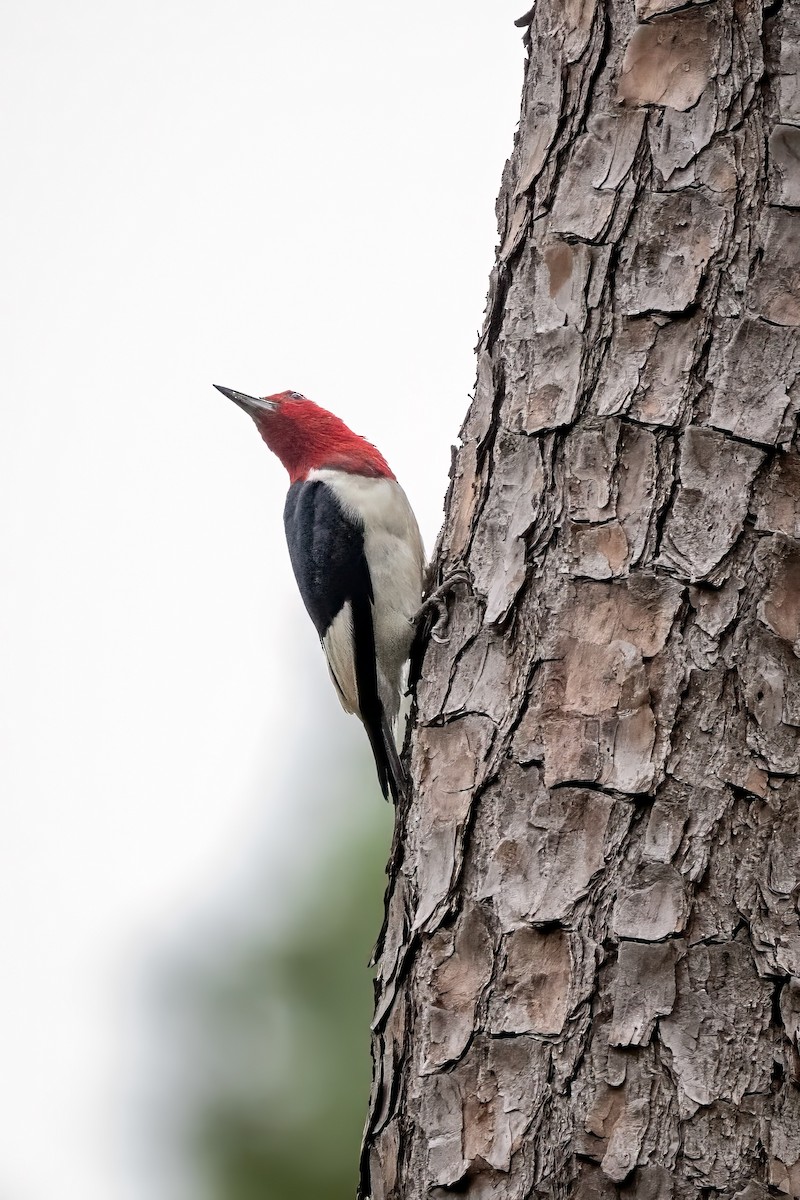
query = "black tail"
x=391 y=775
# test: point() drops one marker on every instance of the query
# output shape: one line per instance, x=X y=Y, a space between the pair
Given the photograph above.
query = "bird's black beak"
x=250 y=404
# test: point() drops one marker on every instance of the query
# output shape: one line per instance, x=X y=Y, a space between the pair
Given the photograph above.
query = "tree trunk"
x=587 y=985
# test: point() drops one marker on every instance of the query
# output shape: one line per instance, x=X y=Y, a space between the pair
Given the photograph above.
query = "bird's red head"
x=306 y=437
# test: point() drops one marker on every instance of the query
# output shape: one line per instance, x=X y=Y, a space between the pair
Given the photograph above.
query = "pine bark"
x=589 y=979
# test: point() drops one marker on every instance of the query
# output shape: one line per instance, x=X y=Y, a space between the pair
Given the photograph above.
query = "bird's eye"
x=296 y=395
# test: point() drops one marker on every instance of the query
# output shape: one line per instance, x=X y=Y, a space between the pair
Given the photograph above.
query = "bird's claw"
x=437 y=600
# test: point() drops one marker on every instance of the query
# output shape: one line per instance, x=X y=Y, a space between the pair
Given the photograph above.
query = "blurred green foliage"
x=277 y=1027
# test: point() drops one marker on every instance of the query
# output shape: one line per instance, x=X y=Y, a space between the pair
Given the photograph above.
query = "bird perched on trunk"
x=357 y=556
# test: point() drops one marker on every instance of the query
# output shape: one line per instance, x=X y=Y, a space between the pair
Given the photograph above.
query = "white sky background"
x=263 y=195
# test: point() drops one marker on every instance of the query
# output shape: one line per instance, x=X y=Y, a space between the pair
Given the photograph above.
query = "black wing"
x=327 y=552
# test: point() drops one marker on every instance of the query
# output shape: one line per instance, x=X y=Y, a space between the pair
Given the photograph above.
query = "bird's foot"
x=436 y=602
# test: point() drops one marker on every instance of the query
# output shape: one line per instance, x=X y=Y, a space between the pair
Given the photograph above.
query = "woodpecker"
x=357 y=556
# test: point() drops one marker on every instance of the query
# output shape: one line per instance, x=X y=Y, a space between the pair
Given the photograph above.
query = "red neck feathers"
x=306 y=437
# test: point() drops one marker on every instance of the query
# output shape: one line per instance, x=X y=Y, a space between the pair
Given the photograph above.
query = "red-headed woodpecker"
x=357 y=556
